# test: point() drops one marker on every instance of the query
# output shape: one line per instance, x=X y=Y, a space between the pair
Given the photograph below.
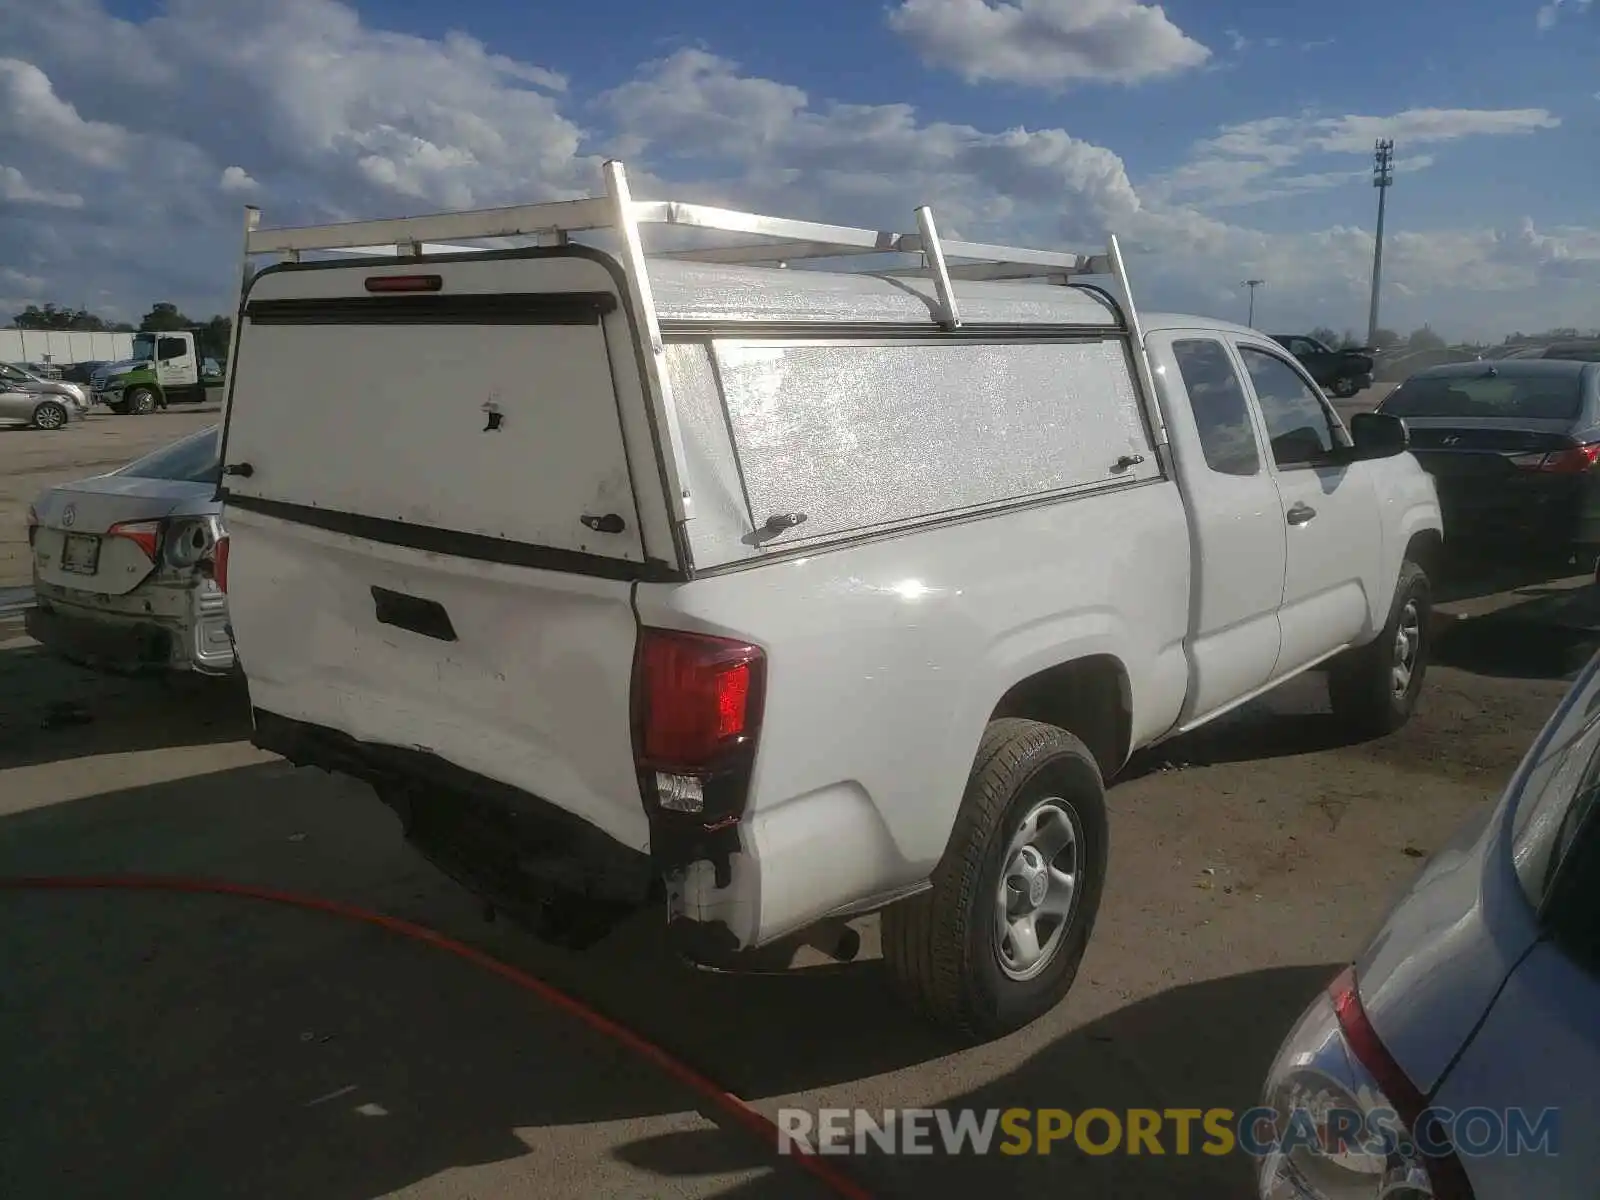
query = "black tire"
x=1363 y=688
x=140 y=401
x=51 y=415
x=1345 y=388
x=942 y=947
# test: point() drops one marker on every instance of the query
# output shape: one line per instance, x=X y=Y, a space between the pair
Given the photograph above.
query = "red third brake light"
x=144 y=534
x=404 y=283
x=697 y=700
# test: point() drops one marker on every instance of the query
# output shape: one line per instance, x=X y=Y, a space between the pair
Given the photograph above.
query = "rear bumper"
x=197 y=640
x=119 y=644
x=518 y=852
x=1534 y=514
x=547 y=869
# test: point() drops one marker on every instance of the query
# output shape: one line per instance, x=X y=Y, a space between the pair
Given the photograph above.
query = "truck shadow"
x=241 y=1048
x=52 y=711
x=1200 y=1046
x=194 y=1045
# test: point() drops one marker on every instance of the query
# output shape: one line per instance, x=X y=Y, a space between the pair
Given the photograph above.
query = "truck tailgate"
x=532 y=692
x=431 y=495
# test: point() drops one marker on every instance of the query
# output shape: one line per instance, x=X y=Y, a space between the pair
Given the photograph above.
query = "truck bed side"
x=887 y=659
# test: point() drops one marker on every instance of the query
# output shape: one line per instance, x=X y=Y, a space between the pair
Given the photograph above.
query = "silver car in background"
x=126 y=565
x=1470 y=1025
x=42 y=403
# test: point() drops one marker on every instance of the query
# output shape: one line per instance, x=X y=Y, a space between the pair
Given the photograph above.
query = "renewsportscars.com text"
x=1150 y=1131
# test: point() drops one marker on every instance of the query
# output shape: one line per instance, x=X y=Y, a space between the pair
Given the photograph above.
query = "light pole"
x=1252 y=284
x=1383 y=180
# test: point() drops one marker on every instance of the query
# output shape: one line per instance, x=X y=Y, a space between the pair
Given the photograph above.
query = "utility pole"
x=1252 y=284
x=1383 y=180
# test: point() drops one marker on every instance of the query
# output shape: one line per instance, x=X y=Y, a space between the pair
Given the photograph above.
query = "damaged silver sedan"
x=126 y=565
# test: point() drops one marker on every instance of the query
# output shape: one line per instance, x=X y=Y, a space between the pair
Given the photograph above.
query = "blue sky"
x=1223 y=140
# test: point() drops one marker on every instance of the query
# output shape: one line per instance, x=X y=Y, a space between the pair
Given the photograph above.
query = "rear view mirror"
x=1379 y=435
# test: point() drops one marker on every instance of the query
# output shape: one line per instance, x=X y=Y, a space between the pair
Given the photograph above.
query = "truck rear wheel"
x=996 y=942
x=1373 y=689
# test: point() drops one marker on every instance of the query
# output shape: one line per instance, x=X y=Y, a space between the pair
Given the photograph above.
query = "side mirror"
x=1379 y=435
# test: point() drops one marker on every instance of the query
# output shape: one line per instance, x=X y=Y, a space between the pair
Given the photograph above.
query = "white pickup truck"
x=778 y=596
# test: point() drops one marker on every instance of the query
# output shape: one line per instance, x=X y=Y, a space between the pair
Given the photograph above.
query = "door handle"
x=1300 y=513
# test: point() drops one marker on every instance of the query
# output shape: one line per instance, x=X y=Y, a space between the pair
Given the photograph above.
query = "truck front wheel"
x=995 y=943
x=140 y=401
x=1373 y=689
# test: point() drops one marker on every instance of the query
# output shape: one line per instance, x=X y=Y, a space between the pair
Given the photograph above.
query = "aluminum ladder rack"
x=783 y=240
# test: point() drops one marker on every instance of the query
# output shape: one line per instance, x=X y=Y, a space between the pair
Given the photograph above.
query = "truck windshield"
x=194 y=459
x=1527 y=397
x=144 y=346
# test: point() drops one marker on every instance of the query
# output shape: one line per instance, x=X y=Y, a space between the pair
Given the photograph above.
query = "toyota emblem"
x=69 y=514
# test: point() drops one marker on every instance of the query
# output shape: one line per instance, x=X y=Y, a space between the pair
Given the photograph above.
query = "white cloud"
x=1047 y=43
x=333 y=119
x=1249 y=163
x=29 y=107
x=1550 y=13
x=237 y=179
x=15 y=189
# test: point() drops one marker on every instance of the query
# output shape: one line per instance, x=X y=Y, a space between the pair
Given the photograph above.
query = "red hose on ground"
x=724 y=1100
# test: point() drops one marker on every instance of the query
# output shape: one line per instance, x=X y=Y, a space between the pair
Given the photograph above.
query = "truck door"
x=1329 y=512
x=175 y=361
x=1236 y=530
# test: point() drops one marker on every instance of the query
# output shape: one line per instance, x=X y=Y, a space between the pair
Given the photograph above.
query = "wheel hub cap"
x=1038 y=889
x=1407 y=642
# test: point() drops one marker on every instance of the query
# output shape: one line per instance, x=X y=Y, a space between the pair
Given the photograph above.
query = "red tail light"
x=1574 y=460
x=219 y=562
x=697 y=709
x=144 y=534
x=1445 y=1172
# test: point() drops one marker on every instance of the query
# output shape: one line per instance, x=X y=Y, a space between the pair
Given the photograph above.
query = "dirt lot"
x=191 y=1046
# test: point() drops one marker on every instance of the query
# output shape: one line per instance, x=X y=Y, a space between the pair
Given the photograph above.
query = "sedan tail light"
x=1364 y=1129
x=144 y=534
x=219 y=562
x=1574 y=460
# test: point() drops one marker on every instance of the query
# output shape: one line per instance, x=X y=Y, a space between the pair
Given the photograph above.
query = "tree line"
x=1425 y=338
x=211 y=334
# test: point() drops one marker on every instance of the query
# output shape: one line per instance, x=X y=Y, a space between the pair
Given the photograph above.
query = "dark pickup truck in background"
x=1342 y=373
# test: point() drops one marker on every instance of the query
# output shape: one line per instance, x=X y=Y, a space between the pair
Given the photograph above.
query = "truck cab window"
x=170 y=348
x=1221 y=412
x=1299 y=425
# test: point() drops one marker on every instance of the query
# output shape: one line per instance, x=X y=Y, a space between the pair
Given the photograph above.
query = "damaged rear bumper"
x=571 y=883
x=524 y=856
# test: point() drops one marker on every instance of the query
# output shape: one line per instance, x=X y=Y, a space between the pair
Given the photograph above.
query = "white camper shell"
x=709 y=575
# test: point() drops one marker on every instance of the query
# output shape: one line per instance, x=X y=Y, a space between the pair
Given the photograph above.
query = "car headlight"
x=1347 y=1122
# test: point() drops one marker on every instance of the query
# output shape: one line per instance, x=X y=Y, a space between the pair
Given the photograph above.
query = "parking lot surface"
x=200 y=1046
